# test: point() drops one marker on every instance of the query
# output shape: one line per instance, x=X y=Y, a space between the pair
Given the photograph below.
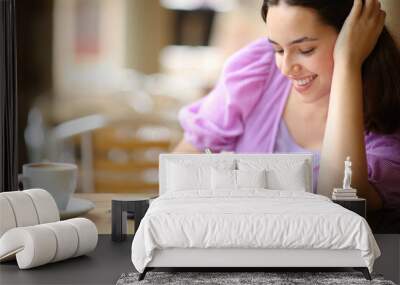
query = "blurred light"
x=141 y=102
x=217 y=5
x=34 y=132
x=79 y=126
x=118 y=155
x=153 y=133
x=150 y=176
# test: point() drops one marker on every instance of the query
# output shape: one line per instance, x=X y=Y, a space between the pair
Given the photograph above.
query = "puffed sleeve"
x=383 y=156
x=217 y=120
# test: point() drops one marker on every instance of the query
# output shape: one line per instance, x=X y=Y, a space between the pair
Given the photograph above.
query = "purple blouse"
x=243 y=113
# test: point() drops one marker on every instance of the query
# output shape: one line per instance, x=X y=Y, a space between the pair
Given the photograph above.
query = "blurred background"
x=100 y=82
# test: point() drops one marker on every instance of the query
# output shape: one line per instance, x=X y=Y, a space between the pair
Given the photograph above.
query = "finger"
x=357 y=8
x=378 y=16
x=375 y=9
x=369 y=8
x=379 y=9
x=380 y=23
x=382 y=18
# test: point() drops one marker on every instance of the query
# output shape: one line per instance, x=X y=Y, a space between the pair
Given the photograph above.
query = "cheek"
x=323 y=66
x=326 y=58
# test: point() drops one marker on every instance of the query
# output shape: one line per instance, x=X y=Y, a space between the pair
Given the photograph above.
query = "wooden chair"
x=125 y=156
x=117 y=155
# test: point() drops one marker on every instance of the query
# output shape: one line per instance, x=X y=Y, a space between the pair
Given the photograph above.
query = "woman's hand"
x=360 y=32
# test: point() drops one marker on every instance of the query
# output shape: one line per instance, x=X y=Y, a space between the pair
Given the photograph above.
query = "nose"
x=288 y=67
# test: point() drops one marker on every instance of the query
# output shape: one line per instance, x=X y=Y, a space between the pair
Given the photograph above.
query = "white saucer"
x=76 y=207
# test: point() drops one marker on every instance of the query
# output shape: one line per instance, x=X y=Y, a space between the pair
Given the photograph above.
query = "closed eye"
x=306 y=52
x=309 y=51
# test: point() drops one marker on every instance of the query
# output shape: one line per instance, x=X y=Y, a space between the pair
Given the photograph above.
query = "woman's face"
x=303 y=49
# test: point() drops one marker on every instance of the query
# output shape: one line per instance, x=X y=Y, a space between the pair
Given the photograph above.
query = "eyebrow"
x=300 y=40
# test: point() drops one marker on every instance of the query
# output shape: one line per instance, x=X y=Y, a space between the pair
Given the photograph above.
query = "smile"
x=303 y=84
x=305 y=81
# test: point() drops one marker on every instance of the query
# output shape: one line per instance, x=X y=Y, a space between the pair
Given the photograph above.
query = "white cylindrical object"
x=23 y=207
x=7 y=217
x=45 y=205
x=33 y=246
x=37 y=245
x=87 y=233
x=40 y=247
x=67 y=240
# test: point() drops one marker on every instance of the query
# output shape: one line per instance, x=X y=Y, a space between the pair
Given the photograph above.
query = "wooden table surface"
x=101 y=214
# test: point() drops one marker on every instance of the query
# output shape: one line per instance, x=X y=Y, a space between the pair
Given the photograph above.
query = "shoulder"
x=257 y=56
x=246 y=76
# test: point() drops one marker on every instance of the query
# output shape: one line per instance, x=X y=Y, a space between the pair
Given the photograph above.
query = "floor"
x=111 y=259
x=388 y=263
x=103 y=266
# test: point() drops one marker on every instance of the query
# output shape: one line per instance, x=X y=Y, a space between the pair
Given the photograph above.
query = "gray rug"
x=270 y=278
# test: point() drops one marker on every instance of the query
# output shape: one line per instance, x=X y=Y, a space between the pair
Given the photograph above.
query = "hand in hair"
x=360 y=32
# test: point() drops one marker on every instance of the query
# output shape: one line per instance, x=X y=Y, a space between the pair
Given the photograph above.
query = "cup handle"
x=20 y=182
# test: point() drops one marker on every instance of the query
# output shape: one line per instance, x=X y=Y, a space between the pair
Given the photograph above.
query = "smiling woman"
x=304 y=53
x=324 y=81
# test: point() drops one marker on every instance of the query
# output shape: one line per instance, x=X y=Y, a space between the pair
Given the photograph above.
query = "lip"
x=303 y=88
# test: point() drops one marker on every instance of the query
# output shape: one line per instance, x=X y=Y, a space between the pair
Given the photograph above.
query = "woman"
x=326 y=80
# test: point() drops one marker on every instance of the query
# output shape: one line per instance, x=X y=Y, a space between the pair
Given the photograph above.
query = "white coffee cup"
x=59 y=179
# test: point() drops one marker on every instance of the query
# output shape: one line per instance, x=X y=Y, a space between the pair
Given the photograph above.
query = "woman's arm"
x=344 y=132
x=344 y=136
x=185 y=147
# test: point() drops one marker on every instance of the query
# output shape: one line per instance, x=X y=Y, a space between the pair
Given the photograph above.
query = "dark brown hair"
x=380 y=70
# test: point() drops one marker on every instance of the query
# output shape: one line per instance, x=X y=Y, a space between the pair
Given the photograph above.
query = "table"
x=101 y=214
x=357 y=205
x=119 y=212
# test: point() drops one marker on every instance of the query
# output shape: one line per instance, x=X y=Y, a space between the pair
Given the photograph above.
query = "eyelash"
x=306 y=52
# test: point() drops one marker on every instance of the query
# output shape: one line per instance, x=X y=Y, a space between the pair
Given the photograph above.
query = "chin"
x=312 y=96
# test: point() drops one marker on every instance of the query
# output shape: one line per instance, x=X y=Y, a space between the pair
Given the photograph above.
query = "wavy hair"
x=380 y=70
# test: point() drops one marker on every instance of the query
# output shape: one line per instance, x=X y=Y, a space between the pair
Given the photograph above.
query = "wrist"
x=348 y=63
